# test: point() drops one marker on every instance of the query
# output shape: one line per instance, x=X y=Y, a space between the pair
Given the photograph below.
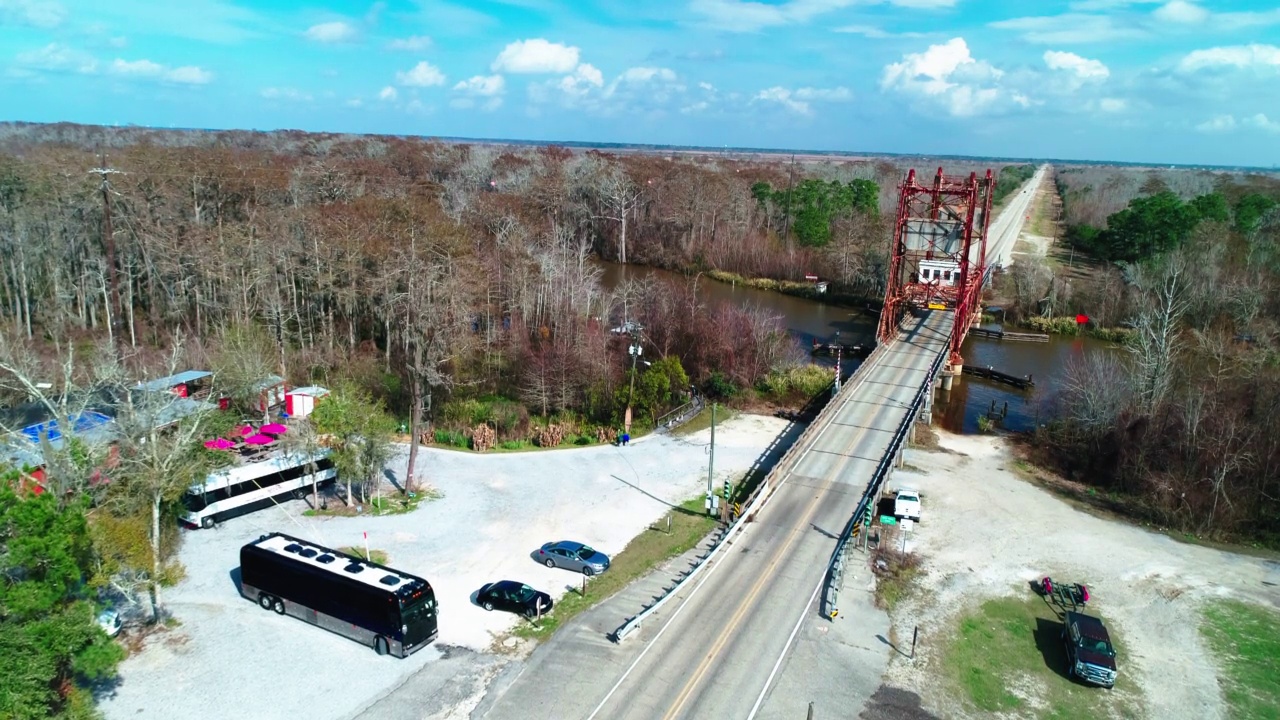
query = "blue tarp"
x=83 y=423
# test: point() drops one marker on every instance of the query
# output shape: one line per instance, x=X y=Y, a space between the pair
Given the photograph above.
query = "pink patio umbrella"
x=273 y=429
x=244 y=430
x=219 y=444
x=259 y=439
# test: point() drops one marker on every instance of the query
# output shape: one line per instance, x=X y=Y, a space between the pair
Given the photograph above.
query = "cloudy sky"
x=1164 y=81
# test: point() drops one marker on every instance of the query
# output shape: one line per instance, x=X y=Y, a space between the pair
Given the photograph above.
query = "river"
x=969 y=397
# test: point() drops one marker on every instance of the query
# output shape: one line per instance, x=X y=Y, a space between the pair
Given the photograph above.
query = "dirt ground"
x=495 y=510
x=987 y=533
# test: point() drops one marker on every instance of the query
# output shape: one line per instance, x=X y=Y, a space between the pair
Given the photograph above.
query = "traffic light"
x=726 y=489
x=866 y=518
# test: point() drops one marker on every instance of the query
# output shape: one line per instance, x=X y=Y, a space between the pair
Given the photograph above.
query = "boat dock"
x=989 y=373
x=1003 y=335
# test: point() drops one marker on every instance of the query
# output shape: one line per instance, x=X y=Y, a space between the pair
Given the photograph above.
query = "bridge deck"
x=716 y=657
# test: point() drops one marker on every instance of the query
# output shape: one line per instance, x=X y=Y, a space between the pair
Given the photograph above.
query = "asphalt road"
x=722 y=649
x=1003 y=233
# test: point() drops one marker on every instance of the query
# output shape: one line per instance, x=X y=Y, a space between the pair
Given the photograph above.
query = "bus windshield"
x=415 y=612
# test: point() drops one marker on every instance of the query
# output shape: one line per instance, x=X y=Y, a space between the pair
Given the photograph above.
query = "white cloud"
x=189 y=75
x=1113 y=105
x=185 y=75
x=1181 y=12
x=1234 y=56
x=482 y=85
x=414 y=43
x=1262 y=122
x=751 y=15
x=836 y=94
x=1070 y=28
x=800 y=100
x=144 y=68
x=948 y=76
x=387 y=93
x=536 y=56
x=424 y=74
x=55 y=57
x=33 y=13
x=695 y=108
x=354 y=103
x=783 y=97
x=874 y=33
x=1082 y=68
x=292 y=94
x=1218 y=123
x=645 y=74
x=330 y=32
x=484 y=90
x=118 y=41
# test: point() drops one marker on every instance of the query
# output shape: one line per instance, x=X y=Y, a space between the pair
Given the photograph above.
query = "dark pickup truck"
x=1090 y=655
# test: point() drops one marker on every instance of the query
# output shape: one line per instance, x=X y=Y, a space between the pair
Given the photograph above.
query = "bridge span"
x=718 y=649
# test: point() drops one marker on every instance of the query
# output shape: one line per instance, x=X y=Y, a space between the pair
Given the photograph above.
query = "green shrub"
x=719 y=386
x=451 y=438
x=466 y=413
x=513 y=444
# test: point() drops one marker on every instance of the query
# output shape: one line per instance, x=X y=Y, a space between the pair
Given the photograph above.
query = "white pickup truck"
x=907 y=504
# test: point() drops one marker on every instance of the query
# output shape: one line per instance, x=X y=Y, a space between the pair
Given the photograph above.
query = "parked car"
x=110 y=622
x=515 y=597
x=1090 y=655
x=907 y=504
x=573 y=556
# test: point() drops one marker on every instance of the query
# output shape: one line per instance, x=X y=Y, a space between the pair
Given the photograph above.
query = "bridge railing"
x=757 y=500
x=870 y=496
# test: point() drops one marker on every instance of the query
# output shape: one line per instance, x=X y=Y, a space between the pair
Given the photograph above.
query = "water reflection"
x=969 y=398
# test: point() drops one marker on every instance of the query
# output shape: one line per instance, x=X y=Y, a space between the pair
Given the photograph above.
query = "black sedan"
x=514 y=597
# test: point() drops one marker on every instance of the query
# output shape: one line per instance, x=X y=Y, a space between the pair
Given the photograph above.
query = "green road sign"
x=888 y=520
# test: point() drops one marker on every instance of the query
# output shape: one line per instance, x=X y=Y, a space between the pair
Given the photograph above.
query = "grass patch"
x=375 y=555
x=1246 y=640
x=702 y=420
x=1007 y=656
x=896 y=571
x=650 y=549
x=395 y=504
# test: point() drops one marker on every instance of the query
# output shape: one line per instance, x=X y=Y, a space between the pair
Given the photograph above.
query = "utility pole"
x=108 y=240
x=711 y=466
x=634 y=350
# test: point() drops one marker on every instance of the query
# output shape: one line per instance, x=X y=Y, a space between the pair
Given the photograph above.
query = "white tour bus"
x=243 y=488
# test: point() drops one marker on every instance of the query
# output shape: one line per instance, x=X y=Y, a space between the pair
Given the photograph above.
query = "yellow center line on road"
x=729 y=630
x=746 y=604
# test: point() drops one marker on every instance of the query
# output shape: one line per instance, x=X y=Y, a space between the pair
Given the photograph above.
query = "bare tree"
x=1156 y=341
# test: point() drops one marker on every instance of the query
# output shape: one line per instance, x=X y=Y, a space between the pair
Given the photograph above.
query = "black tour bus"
x=388 y=610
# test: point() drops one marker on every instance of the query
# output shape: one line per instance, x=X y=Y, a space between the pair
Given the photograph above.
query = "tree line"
x=1177 y=424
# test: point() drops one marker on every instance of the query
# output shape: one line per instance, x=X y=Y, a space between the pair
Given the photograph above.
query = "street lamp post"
x=635 y=351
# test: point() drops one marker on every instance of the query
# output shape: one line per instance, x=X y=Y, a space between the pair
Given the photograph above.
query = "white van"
x=907 y=504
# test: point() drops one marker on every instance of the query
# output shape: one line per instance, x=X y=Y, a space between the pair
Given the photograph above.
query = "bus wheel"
x=206 y=522
x=264 y=600
x=380 y=645
x=278 y=605
x=488 y=605
x=299 y=494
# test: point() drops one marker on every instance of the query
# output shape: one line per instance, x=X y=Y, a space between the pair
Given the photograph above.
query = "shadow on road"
x=642 y=491
x=885 y=640
x=890 y=703
x=1048 y=637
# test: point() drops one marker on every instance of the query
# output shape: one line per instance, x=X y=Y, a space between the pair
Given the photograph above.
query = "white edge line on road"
x=804 y=614
x=712 y=569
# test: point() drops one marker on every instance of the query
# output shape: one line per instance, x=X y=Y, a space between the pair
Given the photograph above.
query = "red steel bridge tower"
x=938 y=257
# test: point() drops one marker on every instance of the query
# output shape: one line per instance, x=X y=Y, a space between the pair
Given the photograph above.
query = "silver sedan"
x=572 y=556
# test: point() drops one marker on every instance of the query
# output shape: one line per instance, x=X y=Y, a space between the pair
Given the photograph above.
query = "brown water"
x=969 y=398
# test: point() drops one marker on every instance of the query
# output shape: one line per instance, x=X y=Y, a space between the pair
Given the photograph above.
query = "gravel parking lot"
x=229 y=659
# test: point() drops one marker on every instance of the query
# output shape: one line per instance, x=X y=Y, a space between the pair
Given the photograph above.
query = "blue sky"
x=1163 y=81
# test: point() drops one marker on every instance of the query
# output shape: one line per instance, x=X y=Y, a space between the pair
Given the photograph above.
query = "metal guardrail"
x=680 y=415
x=755 y=503
x=835 y=567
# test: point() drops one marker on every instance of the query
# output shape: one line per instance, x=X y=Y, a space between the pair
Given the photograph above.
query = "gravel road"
x=986 y=533
x=229 y=659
